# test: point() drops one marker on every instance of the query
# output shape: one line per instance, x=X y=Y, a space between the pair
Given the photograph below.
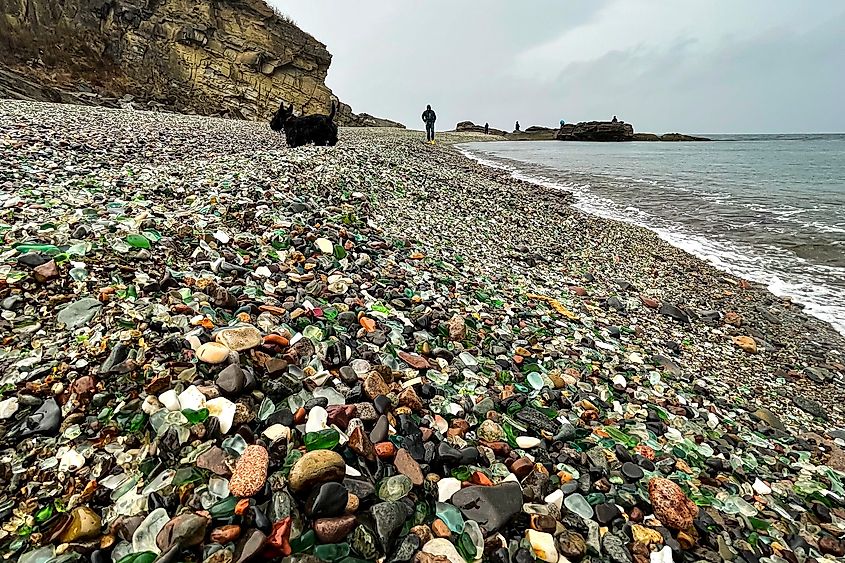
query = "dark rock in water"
x=622 y=453
x=491 y=507
x=329 y=501
x=389 y=518
x=537 y=420
x=596 y=131
x=810 y=406
x=46 y=420
x=676 y=313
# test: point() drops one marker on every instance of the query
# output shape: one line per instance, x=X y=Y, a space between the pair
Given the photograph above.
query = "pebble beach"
x=218 y=349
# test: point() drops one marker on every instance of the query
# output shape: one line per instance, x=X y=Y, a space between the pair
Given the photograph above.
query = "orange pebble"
x=276 y=340
x=368 y=324
x=480 y=478
x=242 y=506
x=299 y=416
x=385 y=450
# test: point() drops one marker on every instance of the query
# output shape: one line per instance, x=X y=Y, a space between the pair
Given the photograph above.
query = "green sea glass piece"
x=332 y=551
x=452 y=517
x=322 y=439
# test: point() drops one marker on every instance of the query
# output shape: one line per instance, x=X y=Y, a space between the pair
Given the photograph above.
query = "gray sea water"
x=769 y=208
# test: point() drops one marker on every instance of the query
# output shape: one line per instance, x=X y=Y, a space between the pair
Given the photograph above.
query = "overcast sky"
x=720 y=66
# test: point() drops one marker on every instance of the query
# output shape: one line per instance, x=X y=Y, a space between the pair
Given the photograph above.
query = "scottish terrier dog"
x=318 y=129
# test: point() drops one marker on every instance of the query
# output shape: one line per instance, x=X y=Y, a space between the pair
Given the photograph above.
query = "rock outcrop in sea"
x=470 y=127
x=235 y=58
x=596 y=131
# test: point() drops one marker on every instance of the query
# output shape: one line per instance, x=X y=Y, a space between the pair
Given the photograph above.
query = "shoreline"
x=813 y=308
x=437 y=301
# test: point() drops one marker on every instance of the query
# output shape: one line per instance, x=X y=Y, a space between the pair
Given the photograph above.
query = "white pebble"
x=213 y=353
x=761 y=488
x=277 y=431
x=447 y=487
x=71 y=461
x=191 y=398
x=224 y=410
x=317 y=418
x=528 y=442
x=170 y=400
x=662 y=556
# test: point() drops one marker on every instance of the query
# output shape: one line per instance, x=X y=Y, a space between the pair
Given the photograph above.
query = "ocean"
x=768 y=208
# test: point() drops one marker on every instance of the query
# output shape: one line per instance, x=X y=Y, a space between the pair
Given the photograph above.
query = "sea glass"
x=321 y=440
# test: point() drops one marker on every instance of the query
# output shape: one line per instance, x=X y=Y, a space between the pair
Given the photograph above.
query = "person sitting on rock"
x=429 y=117
x=614 y=119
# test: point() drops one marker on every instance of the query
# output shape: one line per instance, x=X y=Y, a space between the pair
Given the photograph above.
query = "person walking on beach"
x=486 y=128
x=429 y=117
x=517 y=126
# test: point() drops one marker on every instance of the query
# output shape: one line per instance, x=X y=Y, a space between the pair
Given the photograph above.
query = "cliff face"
x=235 y=57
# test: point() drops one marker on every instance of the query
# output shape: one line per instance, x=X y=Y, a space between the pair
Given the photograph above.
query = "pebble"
x=213 y=353
x=237 y=338
x=250 y=472
x=543 y=545
x=316 y=467
x=671 y=505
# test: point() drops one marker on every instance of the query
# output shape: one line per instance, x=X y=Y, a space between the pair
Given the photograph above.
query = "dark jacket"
x=429 y=116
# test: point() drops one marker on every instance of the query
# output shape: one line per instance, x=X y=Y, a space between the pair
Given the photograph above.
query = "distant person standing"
x=429 y=117
x=517 y=127
x=486 y=128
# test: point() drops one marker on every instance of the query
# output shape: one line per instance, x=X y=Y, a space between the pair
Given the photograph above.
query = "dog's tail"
x=334 y=111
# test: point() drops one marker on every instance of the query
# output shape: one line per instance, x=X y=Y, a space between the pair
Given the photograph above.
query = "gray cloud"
x=719 y=66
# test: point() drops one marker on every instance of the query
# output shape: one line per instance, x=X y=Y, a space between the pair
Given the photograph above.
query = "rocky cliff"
x=596 y=131
x=231 y=57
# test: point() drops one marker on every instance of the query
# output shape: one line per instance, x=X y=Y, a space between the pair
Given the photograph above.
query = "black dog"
x=318 y=129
